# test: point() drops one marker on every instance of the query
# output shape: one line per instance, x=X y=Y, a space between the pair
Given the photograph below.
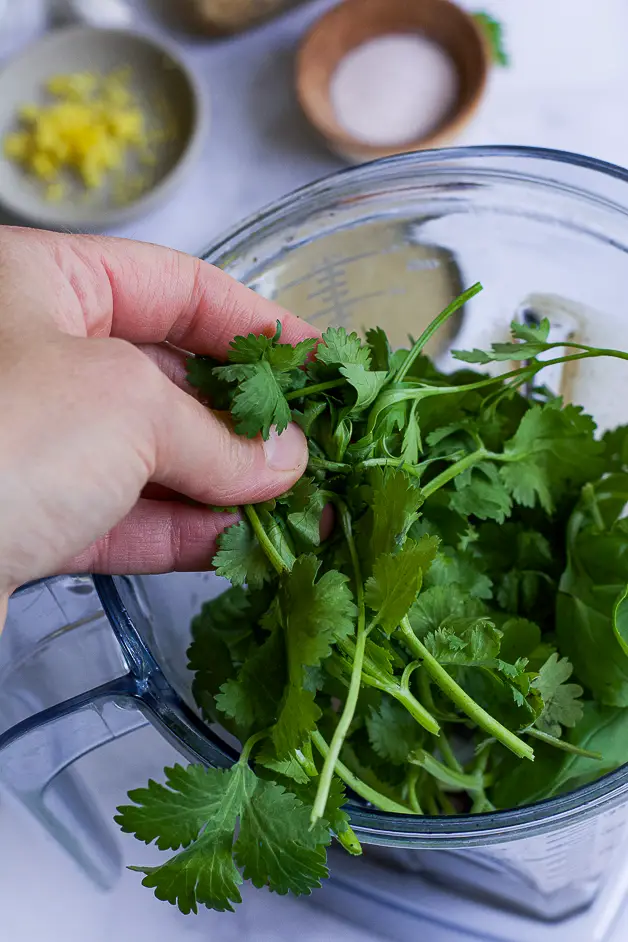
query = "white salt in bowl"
x=384 y=77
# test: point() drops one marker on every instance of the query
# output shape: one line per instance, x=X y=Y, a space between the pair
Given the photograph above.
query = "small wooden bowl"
x=355 y=22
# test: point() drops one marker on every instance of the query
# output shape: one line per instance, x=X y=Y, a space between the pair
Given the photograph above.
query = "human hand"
x=96 y=407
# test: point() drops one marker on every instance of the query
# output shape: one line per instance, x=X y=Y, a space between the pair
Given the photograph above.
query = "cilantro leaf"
x=439 y=603
x=616 y=449
x=552 y=445
x=284 y=358
x=396 y=580
x=596 y=574
x=601 y=729
x=305 y=503
x=198 y=809
x=297 y=719
x=272 y=846
x=250 y=349
x=221 y=636
x=252 y=699
x=240 y=558
x=393 y=733
x=262 y=368
x=338 y=348
x=367 y=384
x=472 y=642
x=382 y=658
x=460 y=570
x=259 y=401
x=291 y=767
x=311 y=412
x=412 y=444
x=335 y=814
x=481 y=493
x=520 y=639
x=531 y=332
x=620 y=619
x=393 y=499
x=200 y=375
x=380 y=348
x=501 y=352
x=529 y=341
x=561 y=701
x=313 y=615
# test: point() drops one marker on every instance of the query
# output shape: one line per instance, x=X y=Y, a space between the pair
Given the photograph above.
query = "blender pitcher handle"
x=36 y=757
x=64 y=691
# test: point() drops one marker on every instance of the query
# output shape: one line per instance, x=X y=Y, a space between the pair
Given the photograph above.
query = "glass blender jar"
x=86 y=660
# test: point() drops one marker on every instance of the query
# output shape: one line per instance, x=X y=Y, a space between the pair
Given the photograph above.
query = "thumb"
x=199 y=454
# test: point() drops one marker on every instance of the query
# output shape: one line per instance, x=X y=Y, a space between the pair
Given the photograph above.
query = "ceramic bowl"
x=355 y=22
x=162 y=85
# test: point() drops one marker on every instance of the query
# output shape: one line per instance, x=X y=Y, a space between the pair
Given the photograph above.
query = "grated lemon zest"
x=88 y=129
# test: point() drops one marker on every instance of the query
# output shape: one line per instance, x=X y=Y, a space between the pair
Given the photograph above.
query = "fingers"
x=156 y=536
x=197 y=453
x=149 y=294
x=171 y=362
x=160 y=536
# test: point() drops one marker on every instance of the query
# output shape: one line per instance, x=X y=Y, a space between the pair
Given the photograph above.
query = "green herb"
x=467 y=615
x=494 y=32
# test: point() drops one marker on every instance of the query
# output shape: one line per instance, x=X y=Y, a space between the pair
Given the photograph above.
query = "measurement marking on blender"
x=344 y=317
x=340 y=262
x=337 y=285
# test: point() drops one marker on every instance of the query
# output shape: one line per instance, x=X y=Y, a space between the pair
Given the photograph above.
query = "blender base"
x=408 y=908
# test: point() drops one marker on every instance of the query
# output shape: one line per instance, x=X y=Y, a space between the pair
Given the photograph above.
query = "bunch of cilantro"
x=466 y=616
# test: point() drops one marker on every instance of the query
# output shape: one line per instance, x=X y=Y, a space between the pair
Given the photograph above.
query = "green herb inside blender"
x=467 y=614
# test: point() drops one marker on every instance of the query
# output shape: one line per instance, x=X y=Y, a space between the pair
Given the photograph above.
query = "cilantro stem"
x=429 y=331
x=357 y=785
x=562 y=744
x=389 y=463
x=251 y=742
x=314 y=389
x=459 y=781
x=425 y=690
x=432 y=807
x=373 y=677
x=323 y=464
x=411 y=784
x=349 y=841
x=481 y=804
x=393 y=394
x=447 y=753
x=586 y=348
x=475 y=457
x=414 y=708
x=408 y=671
x=273 y=556
x=481 y=760
x=341 y=467
x=446 y=803
x=462 y=700
x=348 y=712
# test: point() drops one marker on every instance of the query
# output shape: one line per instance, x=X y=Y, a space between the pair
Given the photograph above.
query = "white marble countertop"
x=565 y=89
